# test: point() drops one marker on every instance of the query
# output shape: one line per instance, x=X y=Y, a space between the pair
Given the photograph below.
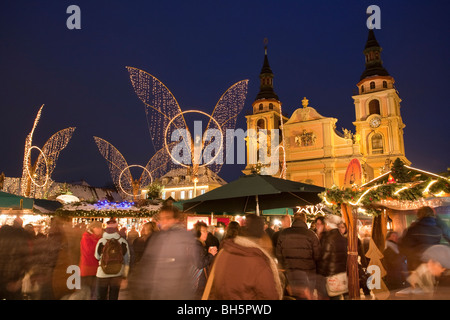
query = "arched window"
x=377 y=143
x=271 y=106
x=261 y=124
x=362 y=88
x=374 y=107
x=384 y=84
x=260 y=106
x=372 y=85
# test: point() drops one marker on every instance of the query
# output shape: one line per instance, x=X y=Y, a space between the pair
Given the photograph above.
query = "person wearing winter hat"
x=88 y=263
x=433 y=271
x=108 y=284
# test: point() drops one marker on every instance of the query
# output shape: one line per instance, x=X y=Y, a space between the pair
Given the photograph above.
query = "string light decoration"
x=38 y=174
x=164 y=114
x=120 y=172
x=105 y=209
x=405 y=196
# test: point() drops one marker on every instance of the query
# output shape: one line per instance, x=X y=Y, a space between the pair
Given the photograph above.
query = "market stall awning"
x=46 y=206
x=12 y=201
x=255 y=193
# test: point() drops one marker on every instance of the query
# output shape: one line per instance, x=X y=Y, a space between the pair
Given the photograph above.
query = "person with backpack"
x=114 y=259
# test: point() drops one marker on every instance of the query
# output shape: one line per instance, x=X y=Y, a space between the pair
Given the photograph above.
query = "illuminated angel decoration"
x=120 y=171
x=37 y=175
x=165 y=118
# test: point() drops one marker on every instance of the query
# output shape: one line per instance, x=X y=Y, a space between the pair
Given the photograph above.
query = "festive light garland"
x=105 y=209
x=386 y=194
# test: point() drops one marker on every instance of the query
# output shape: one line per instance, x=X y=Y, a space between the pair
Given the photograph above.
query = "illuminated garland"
x=142 y=213
x=372 y=196
x=104 y=209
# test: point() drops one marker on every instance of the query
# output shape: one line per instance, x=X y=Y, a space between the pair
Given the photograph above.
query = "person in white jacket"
x=108 y=284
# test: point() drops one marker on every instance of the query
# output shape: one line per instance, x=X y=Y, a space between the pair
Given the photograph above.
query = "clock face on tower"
x=375 y=122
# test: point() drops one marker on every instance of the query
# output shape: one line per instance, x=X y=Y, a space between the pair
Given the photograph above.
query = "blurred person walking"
x=244 y=269
x=394 y=263
x=297 y=251
x=14 y=255
x=163 y=270
x=114 y=257
x=140 y=243
x=422 y=234
x=88 y=262
x=432 y=276
x=231 y=231
x=332 y=265
x=132 y=234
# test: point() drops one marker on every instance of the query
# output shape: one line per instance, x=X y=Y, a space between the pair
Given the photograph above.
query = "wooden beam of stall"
x=350 y=218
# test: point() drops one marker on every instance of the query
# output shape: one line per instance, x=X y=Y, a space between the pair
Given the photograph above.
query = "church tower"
x=266 y=112
x=379 y=125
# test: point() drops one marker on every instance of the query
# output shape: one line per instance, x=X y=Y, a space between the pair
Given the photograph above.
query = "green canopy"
x=254 y=193
x=12 y=201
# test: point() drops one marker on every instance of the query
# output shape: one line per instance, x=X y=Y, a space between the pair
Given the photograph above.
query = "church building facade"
x=312 y=149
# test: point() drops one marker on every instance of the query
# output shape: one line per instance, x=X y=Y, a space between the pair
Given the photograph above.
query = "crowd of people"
x=165 y=261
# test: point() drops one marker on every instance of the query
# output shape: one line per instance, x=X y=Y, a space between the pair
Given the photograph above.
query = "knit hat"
x=439 y=253
x=111 y=226
x=332 y=220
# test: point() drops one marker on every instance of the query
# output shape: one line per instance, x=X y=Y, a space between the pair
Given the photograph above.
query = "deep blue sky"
x=198 y=49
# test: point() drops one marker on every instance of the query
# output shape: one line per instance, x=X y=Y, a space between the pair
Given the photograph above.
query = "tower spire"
x=266 y=77
x=372 y=52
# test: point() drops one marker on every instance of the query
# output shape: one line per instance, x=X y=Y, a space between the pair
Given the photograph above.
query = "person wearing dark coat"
x=333 y=256
x=297 y=251
x=163 y=270
x=421 y=235
x=394 y=263
x=205 y=256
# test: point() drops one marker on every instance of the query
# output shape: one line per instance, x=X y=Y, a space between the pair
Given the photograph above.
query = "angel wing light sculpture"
x=37 y=175
x=121 y=173
x=165 y=118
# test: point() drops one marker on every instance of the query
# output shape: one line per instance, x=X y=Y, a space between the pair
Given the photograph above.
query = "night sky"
x=198 y=49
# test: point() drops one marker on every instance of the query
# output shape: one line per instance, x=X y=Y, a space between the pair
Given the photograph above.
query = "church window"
x=260 y=106
x=271 y=106
x=377 y=143
x=384 y=84
x=374 y=107
x=261 y=124
x=372 y=85
x=362 y=88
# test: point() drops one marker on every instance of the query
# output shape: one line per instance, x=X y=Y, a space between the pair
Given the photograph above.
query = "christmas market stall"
x=392 y=200
x=127 y=213
x=13 y=206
